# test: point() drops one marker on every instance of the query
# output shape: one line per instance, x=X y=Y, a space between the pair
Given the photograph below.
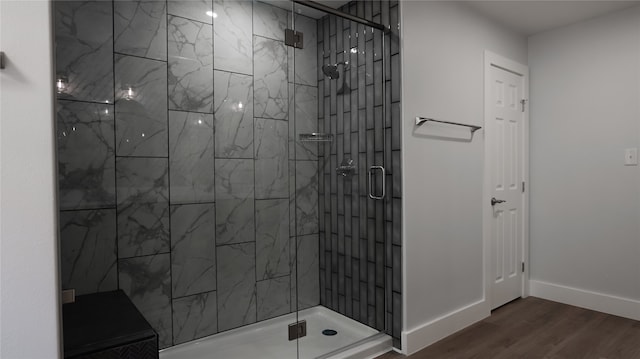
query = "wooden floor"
x=537 y=328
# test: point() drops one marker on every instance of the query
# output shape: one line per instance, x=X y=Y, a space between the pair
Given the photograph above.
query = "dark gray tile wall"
x=360 y=238
x=180 y=182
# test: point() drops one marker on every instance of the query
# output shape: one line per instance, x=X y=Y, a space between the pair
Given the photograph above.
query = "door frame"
x=494 y=60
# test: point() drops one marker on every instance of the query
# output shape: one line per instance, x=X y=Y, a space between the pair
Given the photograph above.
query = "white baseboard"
x=430 y=332
x=600 y=302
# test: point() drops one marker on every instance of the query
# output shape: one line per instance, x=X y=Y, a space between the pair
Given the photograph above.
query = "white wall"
x=443 y=57
x=28 y=267
x=585 y=204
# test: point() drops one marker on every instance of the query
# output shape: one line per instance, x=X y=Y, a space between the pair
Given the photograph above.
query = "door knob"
x=494 y=201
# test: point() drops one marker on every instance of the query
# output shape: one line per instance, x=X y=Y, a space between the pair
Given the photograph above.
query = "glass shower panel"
x=174 y=163
x=337 y=151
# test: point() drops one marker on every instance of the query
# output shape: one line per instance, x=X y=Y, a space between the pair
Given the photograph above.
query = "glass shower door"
x=338 y=149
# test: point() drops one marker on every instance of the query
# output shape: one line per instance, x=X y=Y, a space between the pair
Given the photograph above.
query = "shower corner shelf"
x=316 y=137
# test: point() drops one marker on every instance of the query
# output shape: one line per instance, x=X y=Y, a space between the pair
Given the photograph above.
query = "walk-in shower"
x=214 y=201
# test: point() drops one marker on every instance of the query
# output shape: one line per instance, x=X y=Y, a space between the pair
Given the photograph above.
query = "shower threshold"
x=269 y=340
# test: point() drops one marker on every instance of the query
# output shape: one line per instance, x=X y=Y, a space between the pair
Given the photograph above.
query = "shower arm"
x=345 y=64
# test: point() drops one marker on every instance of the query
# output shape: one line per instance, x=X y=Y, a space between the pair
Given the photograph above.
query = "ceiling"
x=531 y=17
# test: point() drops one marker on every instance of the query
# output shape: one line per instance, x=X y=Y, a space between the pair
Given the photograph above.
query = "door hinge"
x=522 y=267
x=2 y=60
x=297 y=330
x=293 y=38
x=524 y=103
x=522 y=186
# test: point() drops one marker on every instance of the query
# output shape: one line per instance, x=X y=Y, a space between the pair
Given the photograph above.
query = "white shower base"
x=269 y=340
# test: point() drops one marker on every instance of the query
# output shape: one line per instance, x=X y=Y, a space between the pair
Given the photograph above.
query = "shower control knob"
x=495 y=201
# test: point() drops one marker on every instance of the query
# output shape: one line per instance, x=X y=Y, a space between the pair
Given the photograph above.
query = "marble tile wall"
x=180 y=179
x=360 y=239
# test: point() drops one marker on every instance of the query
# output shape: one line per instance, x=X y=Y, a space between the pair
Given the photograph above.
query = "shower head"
x=331 y=70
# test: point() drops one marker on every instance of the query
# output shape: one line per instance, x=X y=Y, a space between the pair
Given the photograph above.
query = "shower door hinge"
x=297 y=330
x=2 y=60
x=522 y=267
x=293 y=38
x=524 y=103
x=522 y=186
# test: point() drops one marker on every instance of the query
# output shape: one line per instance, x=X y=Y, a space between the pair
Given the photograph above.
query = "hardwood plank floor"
x=536 y=328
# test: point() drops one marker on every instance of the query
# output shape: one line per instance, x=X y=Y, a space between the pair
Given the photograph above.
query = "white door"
x=504 y=135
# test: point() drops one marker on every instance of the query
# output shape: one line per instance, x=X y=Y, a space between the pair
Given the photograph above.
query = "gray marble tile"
x=141 y=102
x=273 y=297
x=234 y=201
x=142 y=180
x=191 y=166
x=272 y=238
x=306 y=270
x=190 y=78
x=193 y=249
x=86 y=159
x=270 y=138
x=84 y=49
x=304 y=70
x=140 y=28
x=232 y=34
x=235 y=221
x=147 y=282
x=233 y=108
x=269 y=21
x=270 y=78
x=272 y=162
x=143 y=208
x=194 y=317
x=236 y=285
x=88 y=251
x=200 y=10
x=306 y=121
x=307 y=197
x=234 y=178
x=143 y=229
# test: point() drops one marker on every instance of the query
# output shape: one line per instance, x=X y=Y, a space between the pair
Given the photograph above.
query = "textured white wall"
x=443 y=57
x=28 y=267
x=585 y=110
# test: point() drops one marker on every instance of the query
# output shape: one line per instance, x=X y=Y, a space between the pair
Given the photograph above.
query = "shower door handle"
x=372 y=169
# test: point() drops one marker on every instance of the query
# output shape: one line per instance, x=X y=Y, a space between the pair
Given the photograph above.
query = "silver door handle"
x=384 y=175
x=495 y=201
